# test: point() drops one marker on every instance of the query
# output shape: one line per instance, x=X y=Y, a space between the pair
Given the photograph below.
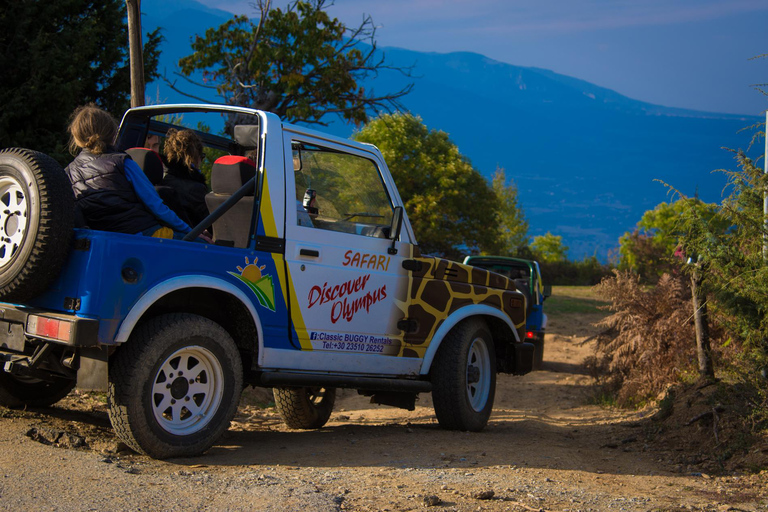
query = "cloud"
x=542 y=17
x=521 y=17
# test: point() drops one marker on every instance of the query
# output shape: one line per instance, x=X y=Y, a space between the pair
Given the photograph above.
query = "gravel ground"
x=544 y=449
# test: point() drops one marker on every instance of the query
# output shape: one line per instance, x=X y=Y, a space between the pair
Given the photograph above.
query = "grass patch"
x=574 y=299
x=602 y=398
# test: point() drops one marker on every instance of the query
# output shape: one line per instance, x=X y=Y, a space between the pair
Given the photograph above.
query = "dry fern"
x=649 y=339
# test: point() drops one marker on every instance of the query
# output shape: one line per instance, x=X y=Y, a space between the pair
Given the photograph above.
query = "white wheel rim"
x=13 y=218
x=187 y=390
x=478 y=374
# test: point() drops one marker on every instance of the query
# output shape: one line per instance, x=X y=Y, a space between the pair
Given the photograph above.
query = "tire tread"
x=132 y=358
x=448 y=379
x=296 y=411
x=52 y=240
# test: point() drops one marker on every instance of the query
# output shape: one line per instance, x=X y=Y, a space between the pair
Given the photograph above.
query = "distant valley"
x=584 y=158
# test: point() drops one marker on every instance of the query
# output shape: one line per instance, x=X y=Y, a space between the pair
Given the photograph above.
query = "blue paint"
x=96 y=277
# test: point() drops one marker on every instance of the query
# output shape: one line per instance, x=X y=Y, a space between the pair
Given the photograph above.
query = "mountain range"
x=587 y=160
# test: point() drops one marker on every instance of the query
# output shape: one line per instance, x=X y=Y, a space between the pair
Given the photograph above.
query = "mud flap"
x=523 y=358
x=92 y=373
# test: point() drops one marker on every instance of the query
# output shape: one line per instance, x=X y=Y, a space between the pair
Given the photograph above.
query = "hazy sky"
x=679 y=53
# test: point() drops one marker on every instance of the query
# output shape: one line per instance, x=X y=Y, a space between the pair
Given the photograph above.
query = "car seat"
x=152 y=165
x=228 y=175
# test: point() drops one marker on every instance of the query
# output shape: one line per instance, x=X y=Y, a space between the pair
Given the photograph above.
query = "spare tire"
x=37 y=209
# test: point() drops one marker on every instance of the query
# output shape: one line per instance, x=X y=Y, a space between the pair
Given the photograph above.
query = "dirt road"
x=544 y=449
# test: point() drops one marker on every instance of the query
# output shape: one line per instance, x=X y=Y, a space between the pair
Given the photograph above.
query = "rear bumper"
x=15 y=328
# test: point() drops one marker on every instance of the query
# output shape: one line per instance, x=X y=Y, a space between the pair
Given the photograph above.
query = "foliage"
x=649 y=250
x=298 y=63
x=549 y=248
x=645 y=255
x=581 y=300
x=736 y=275
x=452 y=208
x=513 y=225
x=648 y=341
x=57 y=56
x=587 y=272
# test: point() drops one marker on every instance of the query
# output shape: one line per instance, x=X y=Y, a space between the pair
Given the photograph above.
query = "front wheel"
x=174 y=386
x=464 y=377
x=305 y=408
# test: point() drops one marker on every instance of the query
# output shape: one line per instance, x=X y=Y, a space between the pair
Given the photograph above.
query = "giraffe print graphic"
x=438 y=287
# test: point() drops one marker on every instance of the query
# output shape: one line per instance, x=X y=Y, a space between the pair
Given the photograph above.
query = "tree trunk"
x=701 y=321
x=137 y=57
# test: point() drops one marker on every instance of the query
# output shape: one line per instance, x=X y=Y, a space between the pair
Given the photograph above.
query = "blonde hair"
x=91 y=128
x=183 y=146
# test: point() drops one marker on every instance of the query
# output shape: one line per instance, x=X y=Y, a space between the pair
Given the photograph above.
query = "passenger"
x=183 y=153
x=111 y=191
x=153 y=142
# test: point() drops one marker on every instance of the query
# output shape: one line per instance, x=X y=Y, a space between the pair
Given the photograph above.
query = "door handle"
x=309 y=252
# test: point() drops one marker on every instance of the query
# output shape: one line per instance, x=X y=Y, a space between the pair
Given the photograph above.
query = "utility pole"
x=765 y=193
x=136 y=53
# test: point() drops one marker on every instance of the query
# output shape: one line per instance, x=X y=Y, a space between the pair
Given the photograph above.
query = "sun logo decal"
x=260 y=285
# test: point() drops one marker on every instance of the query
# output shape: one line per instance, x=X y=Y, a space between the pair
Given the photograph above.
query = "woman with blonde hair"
x=111 y=191
x=183 y=152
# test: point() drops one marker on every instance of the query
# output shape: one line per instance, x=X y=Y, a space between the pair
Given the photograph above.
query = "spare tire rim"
x=13 y=218
x=187 y=390
x=478 y=374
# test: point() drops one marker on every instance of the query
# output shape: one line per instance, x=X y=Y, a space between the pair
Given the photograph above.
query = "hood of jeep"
x=439 y=287
x=445 y=270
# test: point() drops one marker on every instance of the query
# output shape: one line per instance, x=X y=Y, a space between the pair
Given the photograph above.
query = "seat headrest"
x=149 y=161
x=231 y=172
x=247 y=135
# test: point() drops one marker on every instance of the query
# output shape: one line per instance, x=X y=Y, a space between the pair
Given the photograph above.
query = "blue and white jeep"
x=527 y=278
x=314 y=282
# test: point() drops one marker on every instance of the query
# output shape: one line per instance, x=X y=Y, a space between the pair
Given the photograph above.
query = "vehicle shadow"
x=512 y=439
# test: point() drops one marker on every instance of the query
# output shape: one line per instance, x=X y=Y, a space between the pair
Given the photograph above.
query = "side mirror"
x=547 y=290
x=296 y=159
x=395 y=227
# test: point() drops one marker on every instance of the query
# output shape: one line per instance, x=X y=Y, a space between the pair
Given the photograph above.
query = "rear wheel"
x=305 y=408
x=174 y=386
x=36 y=222
x=18 y=392
x=464 y=377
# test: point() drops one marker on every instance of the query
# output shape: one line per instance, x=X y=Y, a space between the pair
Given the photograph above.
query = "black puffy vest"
x=191 y=190
x=105 y=196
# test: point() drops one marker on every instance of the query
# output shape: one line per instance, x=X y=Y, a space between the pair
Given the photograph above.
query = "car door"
x=346 y=275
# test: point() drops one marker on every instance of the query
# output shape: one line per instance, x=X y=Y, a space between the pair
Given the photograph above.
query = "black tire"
x=463 y=377
x=37 y=211
x=538 y=351
x=17 y=392
x=305 y=408
x=152 y=407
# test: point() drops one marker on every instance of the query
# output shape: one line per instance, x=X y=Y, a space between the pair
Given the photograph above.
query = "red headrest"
x=231 y=172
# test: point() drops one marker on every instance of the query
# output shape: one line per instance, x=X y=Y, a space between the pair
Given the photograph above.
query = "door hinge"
x=72 y=303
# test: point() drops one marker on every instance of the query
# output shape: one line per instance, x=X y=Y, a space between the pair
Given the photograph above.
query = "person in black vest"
x=111 y=191
x=183 y=152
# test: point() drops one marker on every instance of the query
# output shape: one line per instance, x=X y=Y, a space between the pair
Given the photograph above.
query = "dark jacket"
x=104 y=195
x=190 y=188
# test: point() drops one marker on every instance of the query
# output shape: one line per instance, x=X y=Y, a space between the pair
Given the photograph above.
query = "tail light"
x=49 y=328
